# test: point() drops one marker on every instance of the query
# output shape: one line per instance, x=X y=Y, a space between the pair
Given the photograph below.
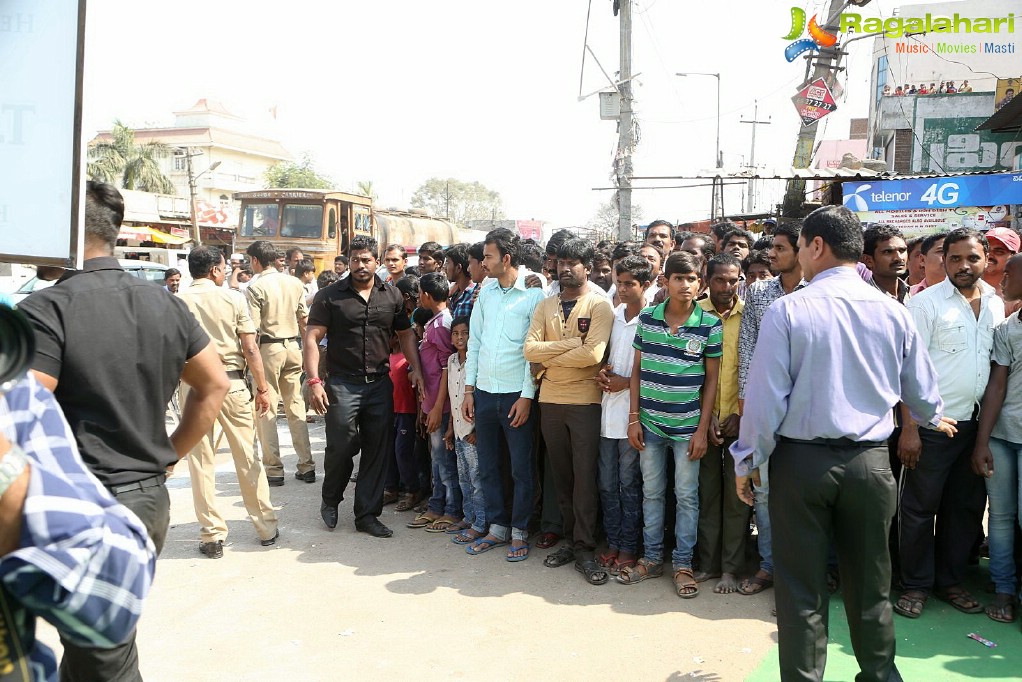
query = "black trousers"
x=120 y=663
x=572 y=435
x=358 y=418
x=723 y=517
x=846 y=494
x=943 y=486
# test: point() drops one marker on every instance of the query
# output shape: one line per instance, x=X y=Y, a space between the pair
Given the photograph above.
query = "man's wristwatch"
x=11 y=467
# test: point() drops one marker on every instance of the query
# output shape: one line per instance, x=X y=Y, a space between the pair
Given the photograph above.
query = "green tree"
x=458 y=201
x=365 y=188
x=301 y=174
x=132 y=166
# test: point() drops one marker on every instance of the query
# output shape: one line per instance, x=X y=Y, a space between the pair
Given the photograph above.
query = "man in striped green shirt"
x=678 y=346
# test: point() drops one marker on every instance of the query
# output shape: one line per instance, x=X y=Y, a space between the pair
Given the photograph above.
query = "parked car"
x=151 y=272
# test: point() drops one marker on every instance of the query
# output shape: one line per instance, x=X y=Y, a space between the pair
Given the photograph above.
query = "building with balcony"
x=211 y=135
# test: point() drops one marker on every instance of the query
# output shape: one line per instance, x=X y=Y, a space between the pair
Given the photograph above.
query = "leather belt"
x=144 y=484
x=264 y=340
x=364 y=379
x=235 y=374
x=835 y=442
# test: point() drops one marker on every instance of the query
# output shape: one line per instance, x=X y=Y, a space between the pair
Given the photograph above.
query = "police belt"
x=264 y=340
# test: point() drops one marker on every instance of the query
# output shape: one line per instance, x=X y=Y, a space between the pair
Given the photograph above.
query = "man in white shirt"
x=956 y=320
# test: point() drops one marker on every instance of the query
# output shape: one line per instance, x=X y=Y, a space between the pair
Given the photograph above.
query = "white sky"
x=396 y=91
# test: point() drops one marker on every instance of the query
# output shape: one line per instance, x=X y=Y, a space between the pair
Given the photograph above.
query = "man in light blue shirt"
x=499 y=390
x=831 y=362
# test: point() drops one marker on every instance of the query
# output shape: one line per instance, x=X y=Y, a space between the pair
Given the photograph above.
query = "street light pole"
x=717 y=159
x=192 y=177
x=717 y=188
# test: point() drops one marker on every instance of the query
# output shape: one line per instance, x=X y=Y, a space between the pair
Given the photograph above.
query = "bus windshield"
x=260 y=220
x=302 y=221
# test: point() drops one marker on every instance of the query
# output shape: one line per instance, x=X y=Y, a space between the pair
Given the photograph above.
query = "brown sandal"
x=910 y=604
x=755 y=585
x=685 y=584
x=1002 y=608
x=644 y=569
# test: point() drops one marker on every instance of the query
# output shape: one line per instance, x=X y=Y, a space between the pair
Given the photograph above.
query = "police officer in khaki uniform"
x=224 y=316
x=276 y=302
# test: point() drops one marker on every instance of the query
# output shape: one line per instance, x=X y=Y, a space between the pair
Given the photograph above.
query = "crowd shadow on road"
x=419 y=563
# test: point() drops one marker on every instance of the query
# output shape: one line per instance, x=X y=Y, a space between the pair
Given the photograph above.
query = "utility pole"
x=626 y=141
x=191 y=197
x=749 y=199
x=824 y=67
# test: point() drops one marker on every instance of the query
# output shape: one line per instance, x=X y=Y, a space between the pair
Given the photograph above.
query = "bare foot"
x=728 y=584
x=703 y=576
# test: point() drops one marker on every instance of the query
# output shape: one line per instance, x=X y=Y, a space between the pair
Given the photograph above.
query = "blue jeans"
x=471 y=492
x=492 y=423
x=446 y=498
x=620 y=493
x=653 y=464
x=1004 y=489
x=762 y=495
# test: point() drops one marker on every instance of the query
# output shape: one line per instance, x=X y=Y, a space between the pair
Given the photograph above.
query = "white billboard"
x=41 y=199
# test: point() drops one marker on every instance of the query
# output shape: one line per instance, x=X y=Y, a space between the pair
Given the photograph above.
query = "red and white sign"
x=814 y=101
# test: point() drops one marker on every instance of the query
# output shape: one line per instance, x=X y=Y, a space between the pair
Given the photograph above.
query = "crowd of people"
x=513 y=396
x=945 y=88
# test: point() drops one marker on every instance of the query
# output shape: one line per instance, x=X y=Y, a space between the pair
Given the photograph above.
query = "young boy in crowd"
x=461 y=438
x=678 y=346
x=998 y=451
x=435 y=350
x=619 y=478
x=402 y=466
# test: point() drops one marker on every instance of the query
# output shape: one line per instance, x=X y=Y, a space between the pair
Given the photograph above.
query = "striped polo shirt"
x=672 y=369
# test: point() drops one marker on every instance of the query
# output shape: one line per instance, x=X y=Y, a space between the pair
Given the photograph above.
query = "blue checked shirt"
x=462 y=304
x=496 y=341
x=85 y=563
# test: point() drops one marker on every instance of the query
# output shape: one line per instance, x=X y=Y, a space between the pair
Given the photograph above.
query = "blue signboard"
x=965 y=190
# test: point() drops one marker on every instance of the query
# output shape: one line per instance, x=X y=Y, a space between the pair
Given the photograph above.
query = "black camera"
x=17 y=346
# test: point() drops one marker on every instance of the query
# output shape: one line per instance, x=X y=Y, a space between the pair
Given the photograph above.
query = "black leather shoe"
x=271 y=541
x=214 y=550
x=373 y=527
x=329 y=514
x=275 y=481
x=308 y=476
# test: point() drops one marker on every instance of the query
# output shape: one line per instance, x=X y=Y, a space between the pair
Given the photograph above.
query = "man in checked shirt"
x=69 y=552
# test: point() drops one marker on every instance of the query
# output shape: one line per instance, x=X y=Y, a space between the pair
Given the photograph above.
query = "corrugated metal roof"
x=1007 y=119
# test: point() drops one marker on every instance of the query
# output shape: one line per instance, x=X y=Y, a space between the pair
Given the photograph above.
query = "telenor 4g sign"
x=969 y=190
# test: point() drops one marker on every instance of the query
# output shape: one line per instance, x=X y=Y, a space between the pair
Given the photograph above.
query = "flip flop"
x=421 y=521
x=755 y=585
x=463 y=539
x=907 y=603
x=458 y=527
x=960 y=599
x=441 y=525
x=482 y=546
x=512 y=549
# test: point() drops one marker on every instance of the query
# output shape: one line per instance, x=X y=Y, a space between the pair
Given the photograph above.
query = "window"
x=260 y=220
x=882 y=71
x=304 y=221
x=332 y=223
x=180 y=162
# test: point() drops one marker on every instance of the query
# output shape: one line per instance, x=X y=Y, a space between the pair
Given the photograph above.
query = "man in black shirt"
x=112 y=348
x=357 y=315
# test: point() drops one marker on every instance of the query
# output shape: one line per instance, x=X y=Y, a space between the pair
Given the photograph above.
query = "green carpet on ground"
x=934 y=647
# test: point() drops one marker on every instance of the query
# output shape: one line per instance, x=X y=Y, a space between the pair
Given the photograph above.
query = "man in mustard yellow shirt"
x=723 y=518
x=565 y=345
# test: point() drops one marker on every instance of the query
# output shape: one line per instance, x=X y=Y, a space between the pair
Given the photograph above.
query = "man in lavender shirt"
x=829 y=468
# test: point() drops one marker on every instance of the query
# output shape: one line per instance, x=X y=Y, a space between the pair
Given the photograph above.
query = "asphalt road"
x=340 y=605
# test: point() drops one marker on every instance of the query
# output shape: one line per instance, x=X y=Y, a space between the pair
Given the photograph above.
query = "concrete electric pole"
x=626 y=140
x=824 y=67
x=750 y=197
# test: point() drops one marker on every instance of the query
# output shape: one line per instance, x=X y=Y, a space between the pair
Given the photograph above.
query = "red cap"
x=1007 y=237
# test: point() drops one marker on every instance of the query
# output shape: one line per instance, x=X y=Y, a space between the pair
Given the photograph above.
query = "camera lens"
x=17 y=346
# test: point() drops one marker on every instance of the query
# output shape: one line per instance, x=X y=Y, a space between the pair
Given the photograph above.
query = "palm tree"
x=365 y=188
x=135 y=166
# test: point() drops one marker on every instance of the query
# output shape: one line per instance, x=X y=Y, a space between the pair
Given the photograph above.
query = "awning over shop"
x=141 y=233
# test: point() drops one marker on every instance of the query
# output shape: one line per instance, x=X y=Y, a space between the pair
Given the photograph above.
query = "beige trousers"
x=236 y=418
x=282 y=363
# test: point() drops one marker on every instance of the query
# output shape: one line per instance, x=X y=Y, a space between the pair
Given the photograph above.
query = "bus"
x=320 y=222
